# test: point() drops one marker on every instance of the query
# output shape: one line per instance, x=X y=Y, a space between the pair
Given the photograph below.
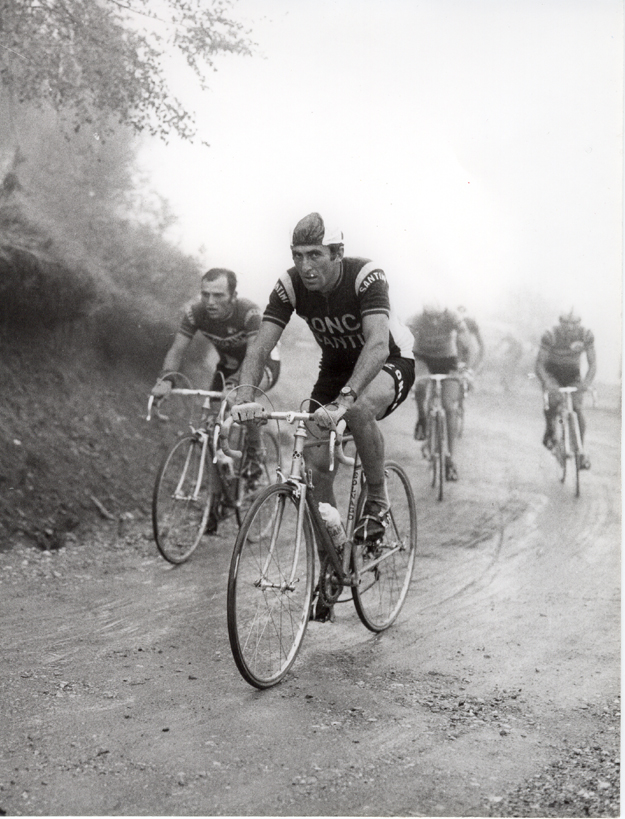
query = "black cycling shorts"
x=223 y=374
x=440 y=366
x=330 y=382
x=565 y=376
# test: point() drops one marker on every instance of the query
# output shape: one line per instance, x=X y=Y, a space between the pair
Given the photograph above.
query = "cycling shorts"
x=565 y=376
x=223 y=374
x=440 y=366
x=330 y=382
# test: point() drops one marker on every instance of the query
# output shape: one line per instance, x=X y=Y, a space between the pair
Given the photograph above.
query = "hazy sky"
x=473 y=148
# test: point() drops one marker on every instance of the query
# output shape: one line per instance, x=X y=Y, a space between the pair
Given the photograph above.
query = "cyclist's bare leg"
x=578 y=398
x=420 y=398
x=451 y=397
x=362 y=418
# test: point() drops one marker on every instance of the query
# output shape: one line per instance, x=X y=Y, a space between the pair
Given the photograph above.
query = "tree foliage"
x=89 y=58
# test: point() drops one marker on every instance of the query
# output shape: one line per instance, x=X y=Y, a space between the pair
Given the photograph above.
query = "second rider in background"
x=230 y=323
x=438 y=333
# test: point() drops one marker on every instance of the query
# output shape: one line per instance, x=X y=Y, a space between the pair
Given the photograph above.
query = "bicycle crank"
x=330 y=584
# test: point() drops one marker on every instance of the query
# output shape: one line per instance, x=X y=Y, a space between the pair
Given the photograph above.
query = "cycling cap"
x=311 y=230
x=570 y=317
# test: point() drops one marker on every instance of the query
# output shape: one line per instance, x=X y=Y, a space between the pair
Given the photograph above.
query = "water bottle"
x=332 y=520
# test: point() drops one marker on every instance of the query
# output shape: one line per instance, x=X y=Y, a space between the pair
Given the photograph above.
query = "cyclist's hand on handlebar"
x=328 y=417
x=250 y=411
x=161 y=388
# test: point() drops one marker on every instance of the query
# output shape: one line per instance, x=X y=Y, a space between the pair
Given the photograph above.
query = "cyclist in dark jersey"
x=467 y=353
x=438 y=334
x=230 y=323
x=367 y=364
x=558 y=364
x=227 y=321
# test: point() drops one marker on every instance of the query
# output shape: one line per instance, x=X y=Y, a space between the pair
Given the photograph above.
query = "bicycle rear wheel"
x=181 y=500
x=270 y=587
x=250 y=484
x=386 y=567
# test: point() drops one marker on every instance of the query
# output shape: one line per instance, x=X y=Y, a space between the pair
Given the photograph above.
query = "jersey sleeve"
x=188 y=324
x=547 y=341
x=281 y=302
x=251 y=319
x=372 y=291
x=589 y=339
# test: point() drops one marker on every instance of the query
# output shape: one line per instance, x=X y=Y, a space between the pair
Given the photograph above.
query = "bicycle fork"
x=178 y=494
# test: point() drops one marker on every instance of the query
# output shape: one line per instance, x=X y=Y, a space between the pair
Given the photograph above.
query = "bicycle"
x=435 y=448
x=197 y=486
x=272 y=571
x=568 y=444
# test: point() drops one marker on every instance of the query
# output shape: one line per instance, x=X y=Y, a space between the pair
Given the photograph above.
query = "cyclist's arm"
x=591 y=357
x=375 y=329
x=176 y=352
x=465 y=339
x=548 y=381
x=258 y=351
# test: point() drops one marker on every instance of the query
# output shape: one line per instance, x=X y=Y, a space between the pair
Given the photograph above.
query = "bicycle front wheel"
x=386 y=568
x=270 y=586
x=182 y=498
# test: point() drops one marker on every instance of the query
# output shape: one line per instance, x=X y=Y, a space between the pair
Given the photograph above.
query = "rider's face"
x=216 y=298
x=568 y=328
x=316 y=266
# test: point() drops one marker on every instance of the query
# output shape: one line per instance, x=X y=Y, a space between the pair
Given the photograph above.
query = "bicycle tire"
x=269 y=590
x=440 y=454
x=577 y=457
x=180 y=508
x=382 y=590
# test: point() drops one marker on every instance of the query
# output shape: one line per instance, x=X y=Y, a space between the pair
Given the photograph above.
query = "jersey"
x=335 y=318
x=229 y=336
x=436 y=334
x=563 y=350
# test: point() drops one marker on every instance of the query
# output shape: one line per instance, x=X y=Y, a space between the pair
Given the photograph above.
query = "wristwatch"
x=346 y=391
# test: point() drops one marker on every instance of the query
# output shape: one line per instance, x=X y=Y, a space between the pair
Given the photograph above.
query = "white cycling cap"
x=312 y=230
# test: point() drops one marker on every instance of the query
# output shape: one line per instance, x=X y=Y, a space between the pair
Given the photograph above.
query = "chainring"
x=330 y=584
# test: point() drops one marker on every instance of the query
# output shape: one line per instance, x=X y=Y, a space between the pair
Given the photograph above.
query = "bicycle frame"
x=301 y=480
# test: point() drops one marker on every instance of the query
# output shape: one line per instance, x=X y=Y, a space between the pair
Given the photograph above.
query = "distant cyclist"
x=438 y=333
x=230 y=323
x=558 y=364
x=477 y=342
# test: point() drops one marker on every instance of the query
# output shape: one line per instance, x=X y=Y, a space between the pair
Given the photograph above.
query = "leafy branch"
x=104 y=59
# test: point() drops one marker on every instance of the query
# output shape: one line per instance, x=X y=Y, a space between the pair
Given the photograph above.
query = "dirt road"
x=495 y=694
